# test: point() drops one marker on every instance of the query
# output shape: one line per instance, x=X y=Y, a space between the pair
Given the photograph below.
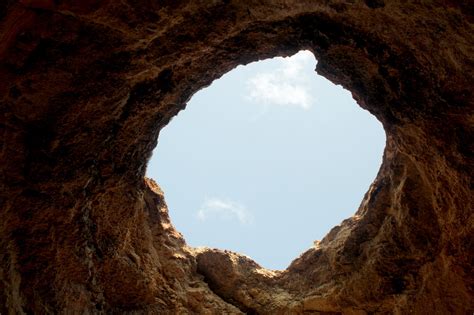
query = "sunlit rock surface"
x=86 y=87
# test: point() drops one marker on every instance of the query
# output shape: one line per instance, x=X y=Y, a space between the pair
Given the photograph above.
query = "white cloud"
x=287 y=85
x=224 y=209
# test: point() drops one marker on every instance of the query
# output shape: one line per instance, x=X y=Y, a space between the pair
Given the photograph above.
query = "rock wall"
x=86 y=87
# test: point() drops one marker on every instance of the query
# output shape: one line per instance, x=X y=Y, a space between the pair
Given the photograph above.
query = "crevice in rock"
x=244 y=309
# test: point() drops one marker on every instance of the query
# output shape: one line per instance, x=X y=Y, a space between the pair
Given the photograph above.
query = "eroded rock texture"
x=86 y=87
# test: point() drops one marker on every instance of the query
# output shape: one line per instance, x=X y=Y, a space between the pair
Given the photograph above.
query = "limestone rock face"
x=86 y=86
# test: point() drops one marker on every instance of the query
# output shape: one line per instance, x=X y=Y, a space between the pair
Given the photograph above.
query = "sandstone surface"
x=86 y=87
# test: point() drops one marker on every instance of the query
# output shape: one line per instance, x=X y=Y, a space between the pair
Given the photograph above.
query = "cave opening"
x=267 y=160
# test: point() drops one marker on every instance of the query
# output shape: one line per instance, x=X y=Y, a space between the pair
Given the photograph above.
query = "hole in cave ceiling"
x=267 y=160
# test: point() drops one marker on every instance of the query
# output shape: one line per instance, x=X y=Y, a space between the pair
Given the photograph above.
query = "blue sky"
x=267 y=160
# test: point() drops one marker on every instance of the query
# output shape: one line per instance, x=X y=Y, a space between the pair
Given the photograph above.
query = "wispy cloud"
x=287 y=85
x=224 y=209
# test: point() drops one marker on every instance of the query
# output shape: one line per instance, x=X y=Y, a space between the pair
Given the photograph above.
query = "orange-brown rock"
x=86 y=86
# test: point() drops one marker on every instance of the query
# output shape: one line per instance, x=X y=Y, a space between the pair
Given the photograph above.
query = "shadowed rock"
x=86 y=87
